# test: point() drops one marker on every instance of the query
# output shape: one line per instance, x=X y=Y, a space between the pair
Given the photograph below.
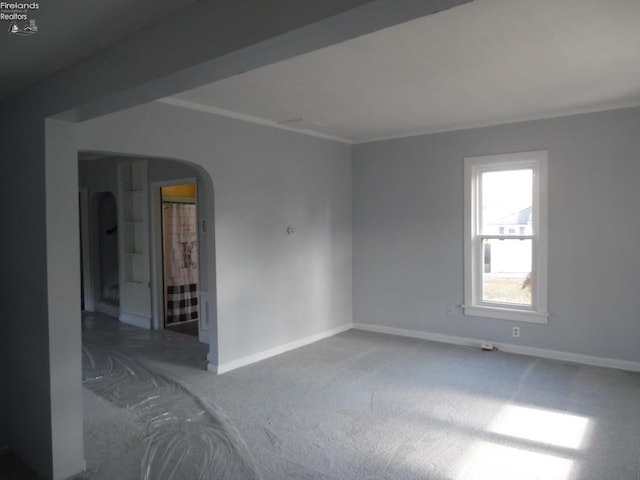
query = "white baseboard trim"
x=435 y=337
x=505 y=347
x=136 y=320
x=5 y=449
x=256 y=357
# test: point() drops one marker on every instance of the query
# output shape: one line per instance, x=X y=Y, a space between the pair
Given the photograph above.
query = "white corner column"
x=63 y=289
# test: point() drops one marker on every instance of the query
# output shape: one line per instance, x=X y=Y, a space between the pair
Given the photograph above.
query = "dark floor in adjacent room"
x=11 y=468
x=355 y=406
x=190 y=327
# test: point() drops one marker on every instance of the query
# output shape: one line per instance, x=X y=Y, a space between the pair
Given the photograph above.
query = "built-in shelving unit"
x=133 y=193
x=135 y=231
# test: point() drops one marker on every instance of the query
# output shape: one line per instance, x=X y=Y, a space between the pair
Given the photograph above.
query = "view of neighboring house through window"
x=507 y=257
x=505 y=230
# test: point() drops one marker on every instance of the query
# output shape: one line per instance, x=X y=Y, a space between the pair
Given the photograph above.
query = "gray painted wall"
x=408 y=226
x=101 y=175
x=23 y=313
x=272 y=288
x=4 y=429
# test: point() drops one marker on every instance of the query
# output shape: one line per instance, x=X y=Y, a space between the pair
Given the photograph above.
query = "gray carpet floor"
x=357 y=406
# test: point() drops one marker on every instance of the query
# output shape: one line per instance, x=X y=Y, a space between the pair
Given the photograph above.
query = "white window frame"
x=473 y=254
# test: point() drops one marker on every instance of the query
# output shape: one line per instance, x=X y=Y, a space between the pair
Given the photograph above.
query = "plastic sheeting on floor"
x=185 y=437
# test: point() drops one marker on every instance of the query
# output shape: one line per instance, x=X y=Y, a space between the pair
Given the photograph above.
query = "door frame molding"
x=85 y=232
x=157 y=280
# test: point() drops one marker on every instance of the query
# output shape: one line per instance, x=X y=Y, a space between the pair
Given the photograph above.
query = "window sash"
x=505 y=237
x=474 y=262
x=478 y=172
x=479 y=272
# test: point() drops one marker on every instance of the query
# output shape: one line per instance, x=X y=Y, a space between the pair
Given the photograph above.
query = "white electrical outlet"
x=449 y=311
x=516 y=331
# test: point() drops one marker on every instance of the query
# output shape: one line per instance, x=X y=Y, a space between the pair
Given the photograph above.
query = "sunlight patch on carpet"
x=541 y=426
x=488 y=460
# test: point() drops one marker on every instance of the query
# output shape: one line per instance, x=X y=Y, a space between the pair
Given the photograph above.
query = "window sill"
x=506 y=314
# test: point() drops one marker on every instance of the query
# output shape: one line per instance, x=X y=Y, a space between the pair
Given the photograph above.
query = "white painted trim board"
x=177 y=102
x=435 y=337
x=85 y=241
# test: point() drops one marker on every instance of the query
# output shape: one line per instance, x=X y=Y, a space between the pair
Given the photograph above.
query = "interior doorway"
x=180 y=257
x=109 y=280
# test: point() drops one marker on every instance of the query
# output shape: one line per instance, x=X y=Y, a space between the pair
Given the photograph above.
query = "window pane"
x=506 y=276
x=506 y=202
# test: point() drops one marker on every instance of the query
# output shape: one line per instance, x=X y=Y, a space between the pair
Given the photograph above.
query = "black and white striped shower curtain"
x=181 y=262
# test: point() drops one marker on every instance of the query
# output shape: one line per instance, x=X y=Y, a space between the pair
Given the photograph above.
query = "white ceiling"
x=482 y=63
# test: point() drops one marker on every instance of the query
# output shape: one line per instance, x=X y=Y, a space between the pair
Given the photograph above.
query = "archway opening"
x=120 y=212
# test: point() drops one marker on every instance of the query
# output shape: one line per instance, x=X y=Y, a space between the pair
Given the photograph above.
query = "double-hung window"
x=505 y=263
